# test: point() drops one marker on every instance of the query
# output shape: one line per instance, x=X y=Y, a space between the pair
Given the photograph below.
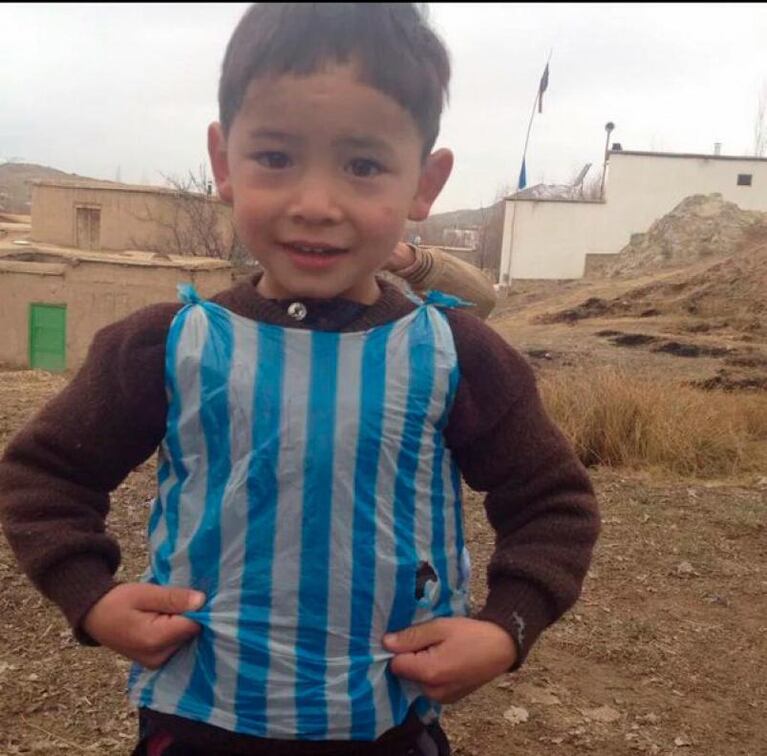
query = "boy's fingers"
x=166 y=631
x=155 y=659
x=415 y=637
x=420 y=668
x=168 y=599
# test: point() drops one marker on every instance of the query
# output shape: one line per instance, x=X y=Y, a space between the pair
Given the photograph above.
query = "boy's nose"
x=314 y=202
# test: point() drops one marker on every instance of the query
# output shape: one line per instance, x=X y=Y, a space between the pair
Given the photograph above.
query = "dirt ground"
x=664 y=653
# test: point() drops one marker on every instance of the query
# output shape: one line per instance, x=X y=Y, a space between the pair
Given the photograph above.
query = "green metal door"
x=48 y=337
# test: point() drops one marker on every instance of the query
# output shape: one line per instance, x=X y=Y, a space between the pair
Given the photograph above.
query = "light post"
x=609 y=126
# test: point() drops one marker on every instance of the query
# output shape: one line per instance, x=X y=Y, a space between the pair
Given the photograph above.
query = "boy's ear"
x=219 y=162
x=434 y=175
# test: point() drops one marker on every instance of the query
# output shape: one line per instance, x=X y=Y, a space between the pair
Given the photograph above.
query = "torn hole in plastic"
x=426 y=582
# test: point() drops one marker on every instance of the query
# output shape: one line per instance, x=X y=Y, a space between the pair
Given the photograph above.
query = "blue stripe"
x=425 y=708
x=438 y=549
x=161 y=562
x=370 y=423
x=421 y=351
x=452 y=390
x=163 y=473
x=135 y=670
x=311 y=703
x=250 y=706
x=205 y=546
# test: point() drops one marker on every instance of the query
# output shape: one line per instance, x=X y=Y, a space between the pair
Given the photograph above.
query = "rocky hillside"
x=700 y=227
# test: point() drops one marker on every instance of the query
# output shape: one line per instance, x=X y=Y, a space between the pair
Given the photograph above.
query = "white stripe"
x=161 y=529
x=287 y=539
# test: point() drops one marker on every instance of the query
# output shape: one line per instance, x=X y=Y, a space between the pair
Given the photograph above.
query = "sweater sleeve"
x=539 y=500
x=57 y=472
x=435 y=269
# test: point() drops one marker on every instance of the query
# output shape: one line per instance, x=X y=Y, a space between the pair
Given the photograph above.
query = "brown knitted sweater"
x=58 y=471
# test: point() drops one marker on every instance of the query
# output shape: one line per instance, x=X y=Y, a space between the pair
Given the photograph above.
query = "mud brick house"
x=53 y=300
x=114 y=217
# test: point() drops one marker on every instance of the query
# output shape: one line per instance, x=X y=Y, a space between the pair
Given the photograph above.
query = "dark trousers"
x=427 y=741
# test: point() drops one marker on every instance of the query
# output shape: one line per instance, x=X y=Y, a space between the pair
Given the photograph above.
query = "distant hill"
x=14 y=186
x=431 y=229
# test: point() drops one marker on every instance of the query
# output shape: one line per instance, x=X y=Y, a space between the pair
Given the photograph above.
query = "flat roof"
x=567 y=200
x=36 y=268
x=131 y=257
x=113 y=186
x=642 y=153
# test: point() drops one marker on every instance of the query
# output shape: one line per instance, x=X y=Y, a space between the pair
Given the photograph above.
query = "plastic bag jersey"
x=303 y=481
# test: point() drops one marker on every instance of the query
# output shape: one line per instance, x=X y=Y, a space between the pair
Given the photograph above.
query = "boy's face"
x=322 y=172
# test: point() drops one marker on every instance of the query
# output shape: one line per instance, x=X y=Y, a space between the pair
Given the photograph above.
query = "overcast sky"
x=101 y=89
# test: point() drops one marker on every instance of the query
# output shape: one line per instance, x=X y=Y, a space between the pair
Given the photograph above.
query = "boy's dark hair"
x=397 y=52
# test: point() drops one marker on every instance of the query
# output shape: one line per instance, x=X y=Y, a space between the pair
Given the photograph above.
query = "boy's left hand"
x=451 y=657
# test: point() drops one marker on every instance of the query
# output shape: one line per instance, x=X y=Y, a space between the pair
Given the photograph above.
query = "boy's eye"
x=272 y=159
x=364 y=167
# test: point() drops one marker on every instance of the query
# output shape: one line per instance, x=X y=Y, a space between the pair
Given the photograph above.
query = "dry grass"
x=614 y=418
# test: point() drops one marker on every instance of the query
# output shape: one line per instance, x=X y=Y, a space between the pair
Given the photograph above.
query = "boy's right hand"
x=142 y=621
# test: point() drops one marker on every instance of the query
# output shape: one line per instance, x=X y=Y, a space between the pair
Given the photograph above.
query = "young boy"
x=307 y=591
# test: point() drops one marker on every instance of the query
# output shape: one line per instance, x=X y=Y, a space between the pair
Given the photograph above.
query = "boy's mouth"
x=323 y=250
x=313 y=256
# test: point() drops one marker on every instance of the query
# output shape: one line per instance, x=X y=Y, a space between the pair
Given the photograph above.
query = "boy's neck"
x=364 y=293
x=321 y=314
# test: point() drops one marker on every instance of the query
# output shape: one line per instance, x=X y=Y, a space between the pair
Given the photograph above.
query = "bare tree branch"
x=491 y=231
x=195 y=225
x=191 y=221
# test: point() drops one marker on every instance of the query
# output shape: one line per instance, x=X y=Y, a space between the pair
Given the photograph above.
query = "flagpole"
x=524 y=155
x=532 y=115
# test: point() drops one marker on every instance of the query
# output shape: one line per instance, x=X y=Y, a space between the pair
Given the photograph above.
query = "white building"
x=461 y=237
x=550 y=238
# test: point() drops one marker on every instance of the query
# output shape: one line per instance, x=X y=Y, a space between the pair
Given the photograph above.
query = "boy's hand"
x=141 y=621
x=451 y=657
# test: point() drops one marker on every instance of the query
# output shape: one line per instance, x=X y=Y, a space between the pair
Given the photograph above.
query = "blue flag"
x=522 y=183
